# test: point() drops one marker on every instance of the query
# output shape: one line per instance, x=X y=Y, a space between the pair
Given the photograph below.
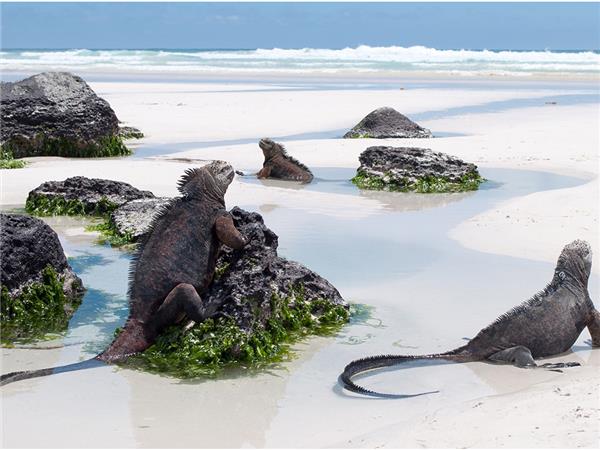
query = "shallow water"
x=427 y=292
x=144 y=150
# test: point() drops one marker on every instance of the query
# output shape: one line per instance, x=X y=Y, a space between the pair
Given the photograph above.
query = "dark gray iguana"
x=278 y=164
x=173 y=266
x=547 y=324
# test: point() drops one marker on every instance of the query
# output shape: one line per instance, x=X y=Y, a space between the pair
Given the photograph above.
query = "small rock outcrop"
x=39 y=288
x=258 y=303
x=248 y=279
x=57 y=114
x=81 y=195
x=132 y=219
x=414 y=169
x=385 y=123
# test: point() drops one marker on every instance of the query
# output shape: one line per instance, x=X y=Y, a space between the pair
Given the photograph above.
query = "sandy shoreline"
x=501 y=405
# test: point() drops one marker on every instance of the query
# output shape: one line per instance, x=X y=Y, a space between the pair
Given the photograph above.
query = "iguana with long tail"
x=278 y=164
x=174 y=264
x=547 y=324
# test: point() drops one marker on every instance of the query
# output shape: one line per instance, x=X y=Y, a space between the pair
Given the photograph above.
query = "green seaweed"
x=425 y=185
x=357 y=135
x=41 y=205
x=130 y=133
x=7 y=160
x=106 y=146
x=39 y=309
x=220 y=270
x=111 y=235
x=210 y=347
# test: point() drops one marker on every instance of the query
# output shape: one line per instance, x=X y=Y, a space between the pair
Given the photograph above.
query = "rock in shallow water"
x=40 y=291
x=57 y=113
x=386 y=122
x=414 y=169
x=247 y=279
x=132 y=219
x=261 y=303
x=81 y=195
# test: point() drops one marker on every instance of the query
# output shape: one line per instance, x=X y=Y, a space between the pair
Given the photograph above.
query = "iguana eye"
x=562 y=275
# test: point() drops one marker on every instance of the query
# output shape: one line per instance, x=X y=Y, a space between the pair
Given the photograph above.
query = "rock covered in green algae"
x=80 y=196
x=57 y=114
x=385 y=123
x=263 y=303
x=414 y=169
x=40 y=291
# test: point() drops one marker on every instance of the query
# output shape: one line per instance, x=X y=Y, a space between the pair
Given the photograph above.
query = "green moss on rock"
x=208 y=348
x=425 y=185
x=42 y=146
x=39 y=309
x=7 y=161
x=41 y=205
x=110 y=235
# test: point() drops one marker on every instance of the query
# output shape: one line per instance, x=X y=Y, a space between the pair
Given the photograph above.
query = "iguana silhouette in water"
x=278 y=164
x=173 y=265
x=547 y=324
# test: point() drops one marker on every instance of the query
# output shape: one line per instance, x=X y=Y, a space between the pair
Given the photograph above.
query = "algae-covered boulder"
x=81 y=195
x=40 y=291
x=249 y=278
x=385 y=123
x=261 y=303
x=414 y=169
x=57 y=114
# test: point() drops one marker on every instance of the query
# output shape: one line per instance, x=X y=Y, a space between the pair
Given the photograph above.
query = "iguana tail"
x=377 y=362
x=24 y=375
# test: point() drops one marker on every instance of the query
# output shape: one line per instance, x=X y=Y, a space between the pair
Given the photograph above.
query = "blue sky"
x=514 y=26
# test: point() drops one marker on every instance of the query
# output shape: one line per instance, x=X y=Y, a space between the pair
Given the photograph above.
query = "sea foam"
x=360 y=59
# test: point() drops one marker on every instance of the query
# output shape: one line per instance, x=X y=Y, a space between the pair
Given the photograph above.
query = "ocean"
x=364 y=58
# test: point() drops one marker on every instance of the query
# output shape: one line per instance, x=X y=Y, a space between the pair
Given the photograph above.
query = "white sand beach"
x=436 y=268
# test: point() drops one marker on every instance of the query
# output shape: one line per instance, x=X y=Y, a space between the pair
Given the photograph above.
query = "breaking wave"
x=360 y=59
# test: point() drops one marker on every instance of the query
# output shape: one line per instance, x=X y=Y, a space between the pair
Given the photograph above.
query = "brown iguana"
x=278 y=164
x=547 y=324
x=173 y=265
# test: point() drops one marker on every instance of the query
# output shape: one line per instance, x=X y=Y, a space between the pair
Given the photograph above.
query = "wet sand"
x=434 y=268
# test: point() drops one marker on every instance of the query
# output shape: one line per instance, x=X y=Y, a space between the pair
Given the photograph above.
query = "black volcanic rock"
x=414 y=169
x=81 y=195
x=28 y=246
x=386 y=122
x=57 y=113
x=133 y=218
x=247 y=279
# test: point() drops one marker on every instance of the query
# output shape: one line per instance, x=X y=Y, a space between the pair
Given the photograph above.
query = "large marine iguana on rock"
x=173 y=266
x=547 y=324
x=278 y=164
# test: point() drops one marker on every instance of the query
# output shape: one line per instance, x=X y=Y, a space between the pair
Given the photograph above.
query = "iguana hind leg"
x=520 y=356
x=182 y=300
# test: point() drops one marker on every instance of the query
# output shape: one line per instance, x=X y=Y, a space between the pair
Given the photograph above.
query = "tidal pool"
x=425 y=294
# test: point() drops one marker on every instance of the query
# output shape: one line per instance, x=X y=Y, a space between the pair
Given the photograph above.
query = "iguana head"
x=575 y=261
x=270 y=148
x=210 y=181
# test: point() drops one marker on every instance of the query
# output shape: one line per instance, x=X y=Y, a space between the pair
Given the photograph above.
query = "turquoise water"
x=405 y=244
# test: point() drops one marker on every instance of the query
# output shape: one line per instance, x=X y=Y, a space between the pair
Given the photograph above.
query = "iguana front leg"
x=264 y=172
x=594 y=328
x=228 y=234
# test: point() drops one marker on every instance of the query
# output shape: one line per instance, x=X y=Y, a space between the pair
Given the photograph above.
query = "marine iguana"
x=547 y=324
x=278 y=164
x=174 y=264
